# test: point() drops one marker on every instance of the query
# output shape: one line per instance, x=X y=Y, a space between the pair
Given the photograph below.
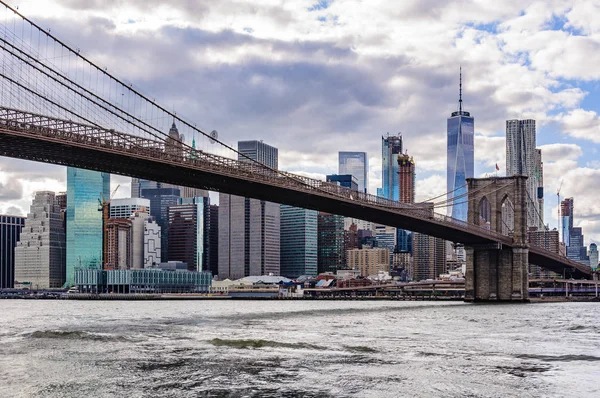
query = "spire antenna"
x=460 y=91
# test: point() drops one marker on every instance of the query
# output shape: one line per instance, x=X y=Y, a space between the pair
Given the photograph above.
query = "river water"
x=298 y=349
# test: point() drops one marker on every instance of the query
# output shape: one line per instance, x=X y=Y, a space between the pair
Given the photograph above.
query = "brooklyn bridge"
x=57 y=106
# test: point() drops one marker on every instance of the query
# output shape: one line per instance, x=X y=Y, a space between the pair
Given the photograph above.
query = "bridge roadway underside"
x=45 y=150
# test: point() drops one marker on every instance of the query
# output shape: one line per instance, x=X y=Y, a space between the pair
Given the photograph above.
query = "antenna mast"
x=460 y=91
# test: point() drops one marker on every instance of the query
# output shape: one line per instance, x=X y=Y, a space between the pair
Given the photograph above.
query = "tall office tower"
x=84 y=221
x=160 y=200
x=357 y=164
x=213 y=240
x=539 y=173
x=386 y=237
x=249 y=241
x=124 y=208
x=118 y=253
x=249 y=229
x=460 y=158
x=40 y=252
x=391 y=147
x=566 y=214
x=298 y=242
x=188 y=232
x=343 y=180
x=593 y=254
x=260 y=152
x=152 y=243
x=576 y=249
x=522 y=158
x=10 y=231
x=174 y=142
x=406 y=183
x=331 y=242
x=429 y=254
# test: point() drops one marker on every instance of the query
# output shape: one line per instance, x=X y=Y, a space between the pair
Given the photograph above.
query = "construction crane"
x=104 y=207
x=558 y=208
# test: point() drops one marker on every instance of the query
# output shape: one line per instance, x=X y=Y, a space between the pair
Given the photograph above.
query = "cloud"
x=580 y=123
x=560 y=152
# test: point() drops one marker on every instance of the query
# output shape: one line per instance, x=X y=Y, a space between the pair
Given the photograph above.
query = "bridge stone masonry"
x=496 y=272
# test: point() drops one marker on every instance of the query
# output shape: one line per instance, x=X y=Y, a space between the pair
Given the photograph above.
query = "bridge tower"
x=494 y=272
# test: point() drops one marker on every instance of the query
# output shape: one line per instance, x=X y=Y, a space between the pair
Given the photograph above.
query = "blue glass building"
x=391 y=147
x=344 y=180
x=299 y=240
x=357 y=164
x=84 y=221
x=461 y=159
x=160 y=200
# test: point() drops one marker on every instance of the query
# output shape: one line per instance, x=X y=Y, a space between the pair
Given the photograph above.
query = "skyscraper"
x=566 y=213
x=331 y=242
x=460 y=158
x=84 y=221
x=10 y=231
x=429 y=254
x=344 y=180
x=40 y=252
x=391 y=147
x=298 y=241
x=160 y=200
x=249 y=229
x=188 y=239
x=593 y=253
x=522 y=158
x=213 y=240
x=406 y=182
x=357 y=164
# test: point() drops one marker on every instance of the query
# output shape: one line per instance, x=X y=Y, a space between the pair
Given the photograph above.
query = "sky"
x=320 y=76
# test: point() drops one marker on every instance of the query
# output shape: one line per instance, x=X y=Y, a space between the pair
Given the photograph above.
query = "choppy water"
x=298 y=349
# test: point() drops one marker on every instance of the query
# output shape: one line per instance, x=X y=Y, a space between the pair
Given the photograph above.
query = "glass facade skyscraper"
x=391 y=147
x=10 y=231
x=84 y=221
x=460 y=158
x=298 y=242
x=357 y=164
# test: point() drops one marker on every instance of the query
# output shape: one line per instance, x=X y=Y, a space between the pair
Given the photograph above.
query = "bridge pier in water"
x=496 y=272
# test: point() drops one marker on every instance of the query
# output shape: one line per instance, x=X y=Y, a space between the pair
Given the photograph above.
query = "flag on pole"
x=497 y=168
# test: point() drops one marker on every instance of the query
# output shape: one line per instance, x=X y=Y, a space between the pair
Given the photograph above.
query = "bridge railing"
x=177 y=152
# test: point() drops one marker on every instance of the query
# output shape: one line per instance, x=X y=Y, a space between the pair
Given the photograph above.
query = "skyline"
x=366 y=88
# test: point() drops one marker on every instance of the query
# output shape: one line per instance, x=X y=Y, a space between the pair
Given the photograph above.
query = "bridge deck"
x=40 y=138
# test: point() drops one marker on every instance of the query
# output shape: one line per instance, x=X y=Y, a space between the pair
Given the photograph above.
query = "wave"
x=360 y=348
x=75 y=335
x=560 y=358
x=259 y=343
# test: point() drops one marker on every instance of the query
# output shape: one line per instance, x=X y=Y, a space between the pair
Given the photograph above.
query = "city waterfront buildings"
x=460 y=159
x=331 y=242
x=298 y=242
x=41 y=250
x=548 y=240
x=10 y=231
x=391 y=147
x=429 y=254
x=522 y=158
x=356 y=164
x=85 y=188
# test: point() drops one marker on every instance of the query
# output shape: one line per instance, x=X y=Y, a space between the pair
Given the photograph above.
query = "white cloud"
x=580 y=123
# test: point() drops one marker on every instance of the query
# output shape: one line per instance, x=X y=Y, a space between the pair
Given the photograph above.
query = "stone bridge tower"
x=496 y=272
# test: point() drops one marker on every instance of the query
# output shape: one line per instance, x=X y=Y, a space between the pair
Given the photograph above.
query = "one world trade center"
x=460 y=159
